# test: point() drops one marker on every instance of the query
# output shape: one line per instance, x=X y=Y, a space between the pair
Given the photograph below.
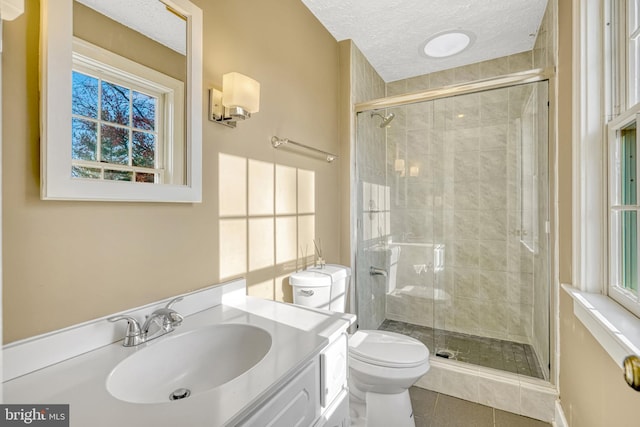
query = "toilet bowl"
x=382 y=365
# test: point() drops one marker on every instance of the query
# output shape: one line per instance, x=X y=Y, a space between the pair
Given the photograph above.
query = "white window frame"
x=615 y=328
x=589 y=178
x=101 y=63
x=56 y=45
x=624 y=297
x=623 y=102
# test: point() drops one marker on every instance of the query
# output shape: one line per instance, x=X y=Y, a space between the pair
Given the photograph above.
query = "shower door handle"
x=375 y=271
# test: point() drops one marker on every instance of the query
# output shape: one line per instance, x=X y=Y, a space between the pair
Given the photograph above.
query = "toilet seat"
x=387 y=349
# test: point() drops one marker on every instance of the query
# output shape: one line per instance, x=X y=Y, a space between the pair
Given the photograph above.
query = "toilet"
x=382 y=365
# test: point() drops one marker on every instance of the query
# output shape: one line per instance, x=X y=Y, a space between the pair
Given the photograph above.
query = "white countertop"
x=298 y=334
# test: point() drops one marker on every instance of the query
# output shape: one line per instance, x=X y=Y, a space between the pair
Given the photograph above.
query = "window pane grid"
x=124 y=134
x=624 y=212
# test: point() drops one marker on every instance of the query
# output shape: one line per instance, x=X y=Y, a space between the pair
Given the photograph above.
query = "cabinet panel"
x=337 y=414
x=297 y=404
x=333 y=370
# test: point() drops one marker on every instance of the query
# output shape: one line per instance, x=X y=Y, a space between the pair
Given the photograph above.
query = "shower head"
x=385 y=119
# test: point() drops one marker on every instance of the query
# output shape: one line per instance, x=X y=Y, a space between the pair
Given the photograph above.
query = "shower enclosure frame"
x=499 y=82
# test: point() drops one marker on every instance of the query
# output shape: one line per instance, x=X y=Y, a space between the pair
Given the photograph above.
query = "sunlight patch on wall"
x=306 y=235
x=285 y=190
x=233 y=247
x=260 y=188
x=285 y=239
x=267 y=223
x=261 y=235
x=261 y=289
x=306 y=193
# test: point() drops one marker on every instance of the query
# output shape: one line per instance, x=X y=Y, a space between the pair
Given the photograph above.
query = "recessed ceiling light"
x=447 y=43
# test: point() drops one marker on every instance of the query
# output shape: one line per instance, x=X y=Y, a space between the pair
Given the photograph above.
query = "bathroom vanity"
x=234 y=360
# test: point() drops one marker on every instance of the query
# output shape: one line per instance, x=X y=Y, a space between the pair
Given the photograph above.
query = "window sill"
x=616 y=329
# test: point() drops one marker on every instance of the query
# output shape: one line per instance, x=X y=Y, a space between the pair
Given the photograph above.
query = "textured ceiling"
x=149 y=17
x=391 y=33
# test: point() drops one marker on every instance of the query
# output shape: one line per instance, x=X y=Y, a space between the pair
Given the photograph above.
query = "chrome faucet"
x=166 y=319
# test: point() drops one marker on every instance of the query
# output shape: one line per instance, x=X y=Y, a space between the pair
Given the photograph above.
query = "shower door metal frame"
x=503 y=81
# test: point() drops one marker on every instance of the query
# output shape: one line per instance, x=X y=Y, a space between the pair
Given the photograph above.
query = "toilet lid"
x=387 y=349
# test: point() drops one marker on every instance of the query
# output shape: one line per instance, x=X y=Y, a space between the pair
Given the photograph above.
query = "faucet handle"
x=133 y=336
x=172 y=317
x=173 y=301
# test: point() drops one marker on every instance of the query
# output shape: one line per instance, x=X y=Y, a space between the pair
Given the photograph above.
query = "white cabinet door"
x=296 y=405
x=337 y=414
x=333 y=370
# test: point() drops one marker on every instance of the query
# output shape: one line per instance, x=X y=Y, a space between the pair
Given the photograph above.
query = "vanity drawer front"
x=295 y=405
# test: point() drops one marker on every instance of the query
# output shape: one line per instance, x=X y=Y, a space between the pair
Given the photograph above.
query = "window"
x=121 y=120
x=624 y=207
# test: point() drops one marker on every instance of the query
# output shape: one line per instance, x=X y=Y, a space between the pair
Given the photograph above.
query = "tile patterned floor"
x=489 y=352
x=433 y=409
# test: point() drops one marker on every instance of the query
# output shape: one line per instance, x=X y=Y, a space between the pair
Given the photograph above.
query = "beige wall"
x=593 y=392
x=564 y=119
x=68 y=262
x=347 y=119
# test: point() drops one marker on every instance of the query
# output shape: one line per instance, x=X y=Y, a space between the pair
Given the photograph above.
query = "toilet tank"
x=323 y=288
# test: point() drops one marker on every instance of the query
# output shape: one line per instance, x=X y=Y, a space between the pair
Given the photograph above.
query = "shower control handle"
x=375 y=271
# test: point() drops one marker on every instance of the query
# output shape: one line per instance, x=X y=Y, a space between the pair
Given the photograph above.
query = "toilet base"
x=382 y=410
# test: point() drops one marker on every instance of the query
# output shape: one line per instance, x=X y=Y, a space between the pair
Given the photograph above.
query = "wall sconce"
x=238 y=99
x=414 y=170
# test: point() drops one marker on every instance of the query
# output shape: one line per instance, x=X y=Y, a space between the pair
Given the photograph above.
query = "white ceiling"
x=391 y=33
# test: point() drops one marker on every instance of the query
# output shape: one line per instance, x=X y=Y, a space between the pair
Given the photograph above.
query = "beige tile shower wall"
x=544 y=57
x=371 y=182
x=69 y=262
x=546 y=43
x=367 y=83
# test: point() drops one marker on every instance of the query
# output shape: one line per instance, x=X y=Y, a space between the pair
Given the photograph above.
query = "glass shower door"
x=492 y=193
x=452 y=226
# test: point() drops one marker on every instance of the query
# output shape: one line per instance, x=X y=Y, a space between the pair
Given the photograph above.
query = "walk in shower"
x=452 y=214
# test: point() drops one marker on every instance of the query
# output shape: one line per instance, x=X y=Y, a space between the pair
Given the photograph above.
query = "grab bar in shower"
x=375 y=271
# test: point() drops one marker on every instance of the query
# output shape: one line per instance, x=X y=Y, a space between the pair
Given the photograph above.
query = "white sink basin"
x=197 y=361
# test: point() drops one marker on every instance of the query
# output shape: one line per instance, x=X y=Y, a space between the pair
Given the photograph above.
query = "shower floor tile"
x=489 y=352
